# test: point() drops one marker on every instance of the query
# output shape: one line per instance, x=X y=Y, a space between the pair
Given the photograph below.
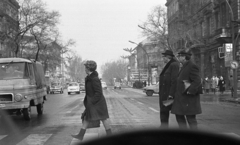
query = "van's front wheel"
x=27 y=113
x=40 y=109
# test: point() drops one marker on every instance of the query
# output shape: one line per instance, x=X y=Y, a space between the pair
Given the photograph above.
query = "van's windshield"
x=13 y=70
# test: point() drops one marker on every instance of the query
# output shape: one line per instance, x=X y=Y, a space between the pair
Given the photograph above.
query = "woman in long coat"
x=94 y=101
x=186 y=103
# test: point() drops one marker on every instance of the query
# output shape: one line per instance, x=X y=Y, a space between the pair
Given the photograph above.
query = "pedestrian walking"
x=213 y=84
x=206 y=85
x=221 y=85
x=231 y=85
x=167 y=79
x=186 y=103
x=95 y=104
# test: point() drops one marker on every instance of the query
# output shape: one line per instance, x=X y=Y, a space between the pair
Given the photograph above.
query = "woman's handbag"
x=92 y=123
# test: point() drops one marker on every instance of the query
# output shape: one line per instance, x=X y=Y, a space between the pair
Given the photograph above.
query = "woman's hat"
x=168 y=52
x=184 y=53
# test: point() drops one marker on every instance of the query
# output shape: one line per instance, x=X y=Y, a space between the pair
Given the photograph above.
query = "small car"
x=104 y=85
x=117 y=85
x=73 y=87
x=150 y=90
x=56 y=87
x=82 y=86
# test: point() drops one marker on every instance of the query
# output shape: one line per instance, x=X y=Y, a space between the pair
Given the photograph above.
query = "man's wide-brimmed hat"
x=168 y=52
x=184 y=53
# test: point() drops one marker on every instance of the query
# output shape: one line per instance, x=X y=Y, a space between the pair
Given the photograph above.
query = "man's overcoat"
x=94 y=101
x=187 y=104
x=167 y=82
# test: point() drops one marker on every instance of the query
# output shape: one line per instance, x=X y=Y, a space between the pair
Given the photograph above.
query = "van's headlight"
x=18 y=97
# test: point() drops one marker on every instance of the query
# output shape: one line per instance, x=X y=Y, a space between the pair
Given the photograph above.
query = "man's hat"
x=168 y=52
x=184 y=53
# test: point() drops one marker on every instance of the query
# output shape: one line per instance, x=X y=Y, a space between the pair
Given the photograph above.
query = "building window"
x=208 y=25
x=217 y=20
x=223 y=10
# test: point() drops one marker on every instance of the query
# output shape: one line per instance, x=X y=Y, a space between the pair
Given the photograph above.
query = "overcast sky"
x=102 y=28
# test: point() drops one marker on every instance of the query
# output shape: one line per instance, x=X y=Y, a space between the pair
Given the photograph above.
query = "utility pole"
x=235 y=79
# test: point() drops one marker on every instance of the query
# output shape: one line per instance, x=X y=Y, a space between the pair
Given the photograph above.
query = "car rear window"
x=73 y=84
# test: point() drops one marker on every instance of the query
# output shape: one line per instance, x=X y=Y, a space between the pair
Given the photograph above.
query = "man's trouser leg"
x=181 y=121
x=164 y=117
x=192 y=121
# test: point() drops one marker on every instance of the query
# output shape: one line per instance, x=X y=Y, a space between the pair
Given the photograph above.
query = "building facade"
x=149 y=58
x=197 y=25
x=9 y=25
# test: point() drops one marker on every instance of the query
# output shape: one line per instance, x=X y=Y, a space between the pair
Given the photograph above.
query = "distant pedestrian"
x=231 y=85
x=221 y=85
x=206 y=85
x=167 y=80
x=213 y=84
x=144 y=83
x=94 y=101
x=186 y=103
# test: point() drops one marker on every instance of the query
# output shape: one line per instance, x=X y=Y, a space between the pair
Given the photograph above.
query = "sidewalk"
x=225 y=97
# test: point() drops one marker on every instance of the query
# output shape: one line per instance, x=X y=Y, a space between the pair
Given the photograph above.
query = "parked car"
x=82 y=86
x=150 y=90
x=73 y=87
x=56 y=87
x=117 y=85
x=104 y=85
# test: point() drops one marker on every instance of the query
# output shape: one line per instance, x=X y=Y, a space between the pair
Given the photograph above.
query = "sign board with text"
x=139 y=74
x=228 y=54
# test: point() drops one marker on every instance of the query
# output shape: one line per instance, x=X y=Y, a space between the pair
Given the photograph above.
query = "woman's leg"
x=82 y=131
x=106 y=124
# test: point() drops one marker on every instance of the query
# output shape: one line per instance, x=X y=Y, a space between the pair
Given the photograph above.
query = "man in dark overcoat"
x=186 y=103
x=167 y=82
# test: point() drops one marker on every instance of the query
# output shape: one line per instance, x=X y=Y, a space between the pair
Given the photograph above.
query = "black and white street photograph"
x=119 y=72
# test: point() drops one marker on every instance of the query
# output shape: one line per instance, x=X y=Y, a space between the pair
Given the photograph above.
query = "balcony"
x=223 y=35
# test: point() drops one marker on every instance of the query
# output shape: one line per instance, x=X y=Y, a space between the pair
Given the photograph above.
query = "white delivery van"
x=22 y=85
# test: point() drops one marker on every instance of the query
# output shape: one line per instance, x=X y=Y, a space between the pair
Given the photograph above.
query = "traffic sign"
x=234 y=64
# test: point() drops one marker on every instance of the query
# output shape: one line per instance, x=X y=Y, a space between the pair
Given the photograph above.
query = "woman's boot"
x=80 y=135
x=109 y=132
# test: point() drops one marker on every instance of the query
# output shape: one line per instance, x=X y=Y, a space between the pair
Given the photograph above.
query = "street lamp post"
x=129 y=70
x=147 y=61
x=235 y=80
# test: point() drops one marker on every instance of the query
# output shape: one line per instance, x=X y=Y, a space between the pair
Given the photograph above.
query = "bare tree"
x=184 y=31
x=76 y=68
x=115 y=69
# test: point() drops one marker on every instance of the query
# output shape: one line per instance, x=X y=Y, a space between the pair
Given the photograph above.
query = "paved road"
x=129 y=109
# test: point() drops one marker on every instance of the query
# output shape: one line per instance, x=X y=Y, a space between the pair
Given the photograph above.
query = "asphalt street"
x=129 y=109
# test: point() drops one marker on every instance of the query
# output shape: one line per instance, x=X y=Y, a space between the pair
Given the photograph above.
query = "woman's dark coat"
x=94 y=101
x=167 y=82
x=221 y=85
x=187 y=104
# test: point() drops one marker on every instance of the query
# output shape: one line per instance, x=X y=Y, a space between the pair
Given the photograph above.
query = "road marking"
x=153 y=109
x=2 y=136
x=35 y=139
x=140 y=103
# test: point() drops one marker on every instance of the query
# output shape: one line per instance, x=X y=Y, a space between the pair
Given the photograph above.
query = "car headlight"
x=18 y=97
